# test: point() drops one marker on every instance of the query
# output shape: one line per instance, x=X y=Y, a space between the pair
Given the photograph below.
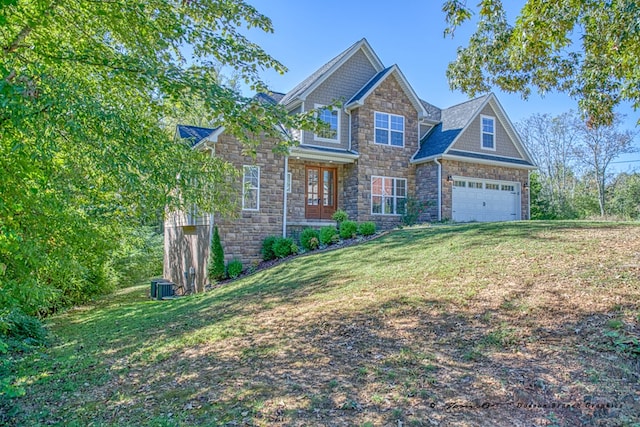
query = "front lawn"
x=526 y=323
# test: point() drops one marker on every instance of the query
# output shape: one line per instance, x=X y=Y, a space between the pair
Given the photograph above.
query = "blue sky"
x=404 y=32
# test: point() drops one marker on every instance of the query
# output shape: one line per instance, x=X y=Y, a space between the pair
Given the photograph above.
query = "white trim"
x=394 y=197
x=404 y=84
x=257 y=208
x=389 y=130
x=337 y=158
x=493 y=134
x=318 y=107
x=473 y=160
x=287 y=183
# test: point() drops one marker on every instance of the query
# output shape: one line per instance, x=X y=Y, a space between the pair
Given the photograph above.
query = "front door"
x=321 y=192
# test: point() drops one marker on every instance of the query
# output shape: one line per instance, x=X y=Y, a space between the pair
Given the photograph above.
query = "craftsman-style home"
x=384 y=145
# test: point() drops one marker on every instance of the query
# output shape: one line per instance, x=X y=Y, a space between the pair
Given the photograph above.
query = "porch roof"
x=332 y=155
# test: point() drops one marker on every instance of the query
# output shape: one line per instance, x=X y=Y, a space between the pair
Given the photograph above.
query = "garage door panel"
x=485 y=200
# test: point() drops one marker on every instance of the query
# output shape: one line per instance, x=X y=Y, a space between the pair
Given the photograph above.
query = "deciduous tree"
x=588 y=49
x=84 y=88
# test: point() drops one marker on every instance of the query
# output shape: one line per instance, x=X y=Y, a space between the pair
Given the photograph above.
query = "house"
x=384 y=145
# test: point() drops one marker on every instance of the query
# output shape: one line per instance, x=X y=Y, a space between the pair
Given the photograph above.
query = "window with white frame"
x=488 y=131
x=251 y=188
x=388 y=195
x=389 y=129
x=332 y=119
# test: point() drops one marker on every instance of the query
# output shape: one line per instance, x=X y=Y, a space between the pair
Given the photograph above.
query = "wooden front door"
x=321 y=192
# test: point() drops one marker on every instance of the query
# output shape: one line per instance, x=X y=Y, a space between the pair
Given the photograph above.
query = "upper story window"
x=332 y=118
x=251 y=188
x=488 y=132
x=389 y=129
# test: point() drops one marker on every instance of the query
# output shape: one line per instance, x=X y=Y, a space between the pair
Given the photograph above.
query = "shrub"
x=348 y=229
x=16 y=326
x=282 y=247
x=294 y=249
x=216 y=258
x=267 y=248
x=340 y=216
x=310 y=239
x=234 y=268
x=326 y=235
x=413 y=209
x=367 y=228
x=335 y=238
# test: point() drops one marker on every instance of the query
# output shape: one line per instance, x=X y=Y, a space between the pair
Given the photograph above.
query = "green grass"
x=366 y=335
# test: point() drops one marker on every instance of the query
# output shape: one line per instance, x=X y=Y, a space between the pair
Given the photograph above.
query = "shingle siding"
x=469 y=139
x=340 y=86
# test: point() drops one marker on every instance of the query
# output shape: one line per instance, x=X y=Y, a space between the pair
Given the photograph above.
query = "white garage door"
x=485 y=200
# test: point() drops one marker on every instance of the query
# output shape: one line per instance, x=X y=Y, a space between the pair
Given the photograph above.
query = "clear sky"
x=404 y=32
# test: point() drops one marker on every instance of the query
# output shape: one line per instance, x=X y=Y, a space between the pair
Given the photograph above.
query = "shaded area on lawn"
x=427 y=324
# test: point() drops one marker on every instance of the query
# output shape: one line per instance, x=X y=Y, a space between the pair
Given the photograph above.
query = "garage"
x=485 y=200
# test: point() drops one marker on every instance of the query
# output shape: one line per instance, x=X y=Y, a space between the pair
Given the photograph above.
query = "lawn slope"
x=528 y=323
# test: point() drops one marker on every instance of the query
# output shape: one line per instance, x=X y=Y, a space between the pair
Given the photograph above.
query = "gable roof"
x=194 y=134
x=271 y=97
x=321 y=74
x=439 y=140
x=433 y=113
x=358 y=99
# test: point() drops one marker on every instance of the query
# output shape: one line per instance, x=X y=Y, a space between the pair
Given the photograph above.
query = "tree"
x=551 y=142
x=599 y=146
x=216 y=257
x=84 y=88
x=625 y=195
x=588 y=49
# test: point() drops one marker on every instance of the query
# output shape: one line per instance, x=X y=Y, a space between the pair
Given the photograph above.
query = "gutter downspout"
x=284 y=204
x=439 y=189
x=348 y=113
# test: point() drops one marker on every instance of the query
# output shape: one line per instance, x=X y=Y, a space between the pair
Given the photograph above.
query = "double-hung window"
x=251 y=188
x=331 y=118
x=388 y=195
x=389 y=129
x=488 y=131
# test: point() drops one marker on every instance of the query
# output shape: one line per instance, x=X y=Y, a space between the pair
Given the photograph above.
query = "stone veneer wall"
x=427 y=189
x=376 y=159
x=474 y=170
x=297 y=198
x=242 y=236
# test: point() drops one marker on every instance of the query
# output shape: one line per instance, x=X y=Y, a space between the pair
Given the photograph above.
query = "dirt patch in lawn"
x=530 y=331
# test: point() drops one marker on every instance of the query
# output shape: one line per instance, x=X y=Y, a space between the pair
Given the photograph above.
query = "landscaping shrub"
x=216 y=258
x=413 y=209
x=283 y=247
x=335 y=238
x=367 y=228
x=234 y=268
x=310 y=239
x=348 y=229
x=340 y=216
x=294 y=249
x=267 y=248
x=326 y=235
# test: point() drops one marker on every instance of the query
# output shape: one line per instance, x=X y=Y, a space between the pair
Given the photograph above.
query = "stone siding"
x=242 y=236
x=377 y=159
x=473 y=170
x=427 y=189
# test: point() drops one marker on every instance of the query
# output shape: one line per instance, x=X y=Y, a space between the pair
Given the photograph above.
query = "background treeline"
x=575 y=178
